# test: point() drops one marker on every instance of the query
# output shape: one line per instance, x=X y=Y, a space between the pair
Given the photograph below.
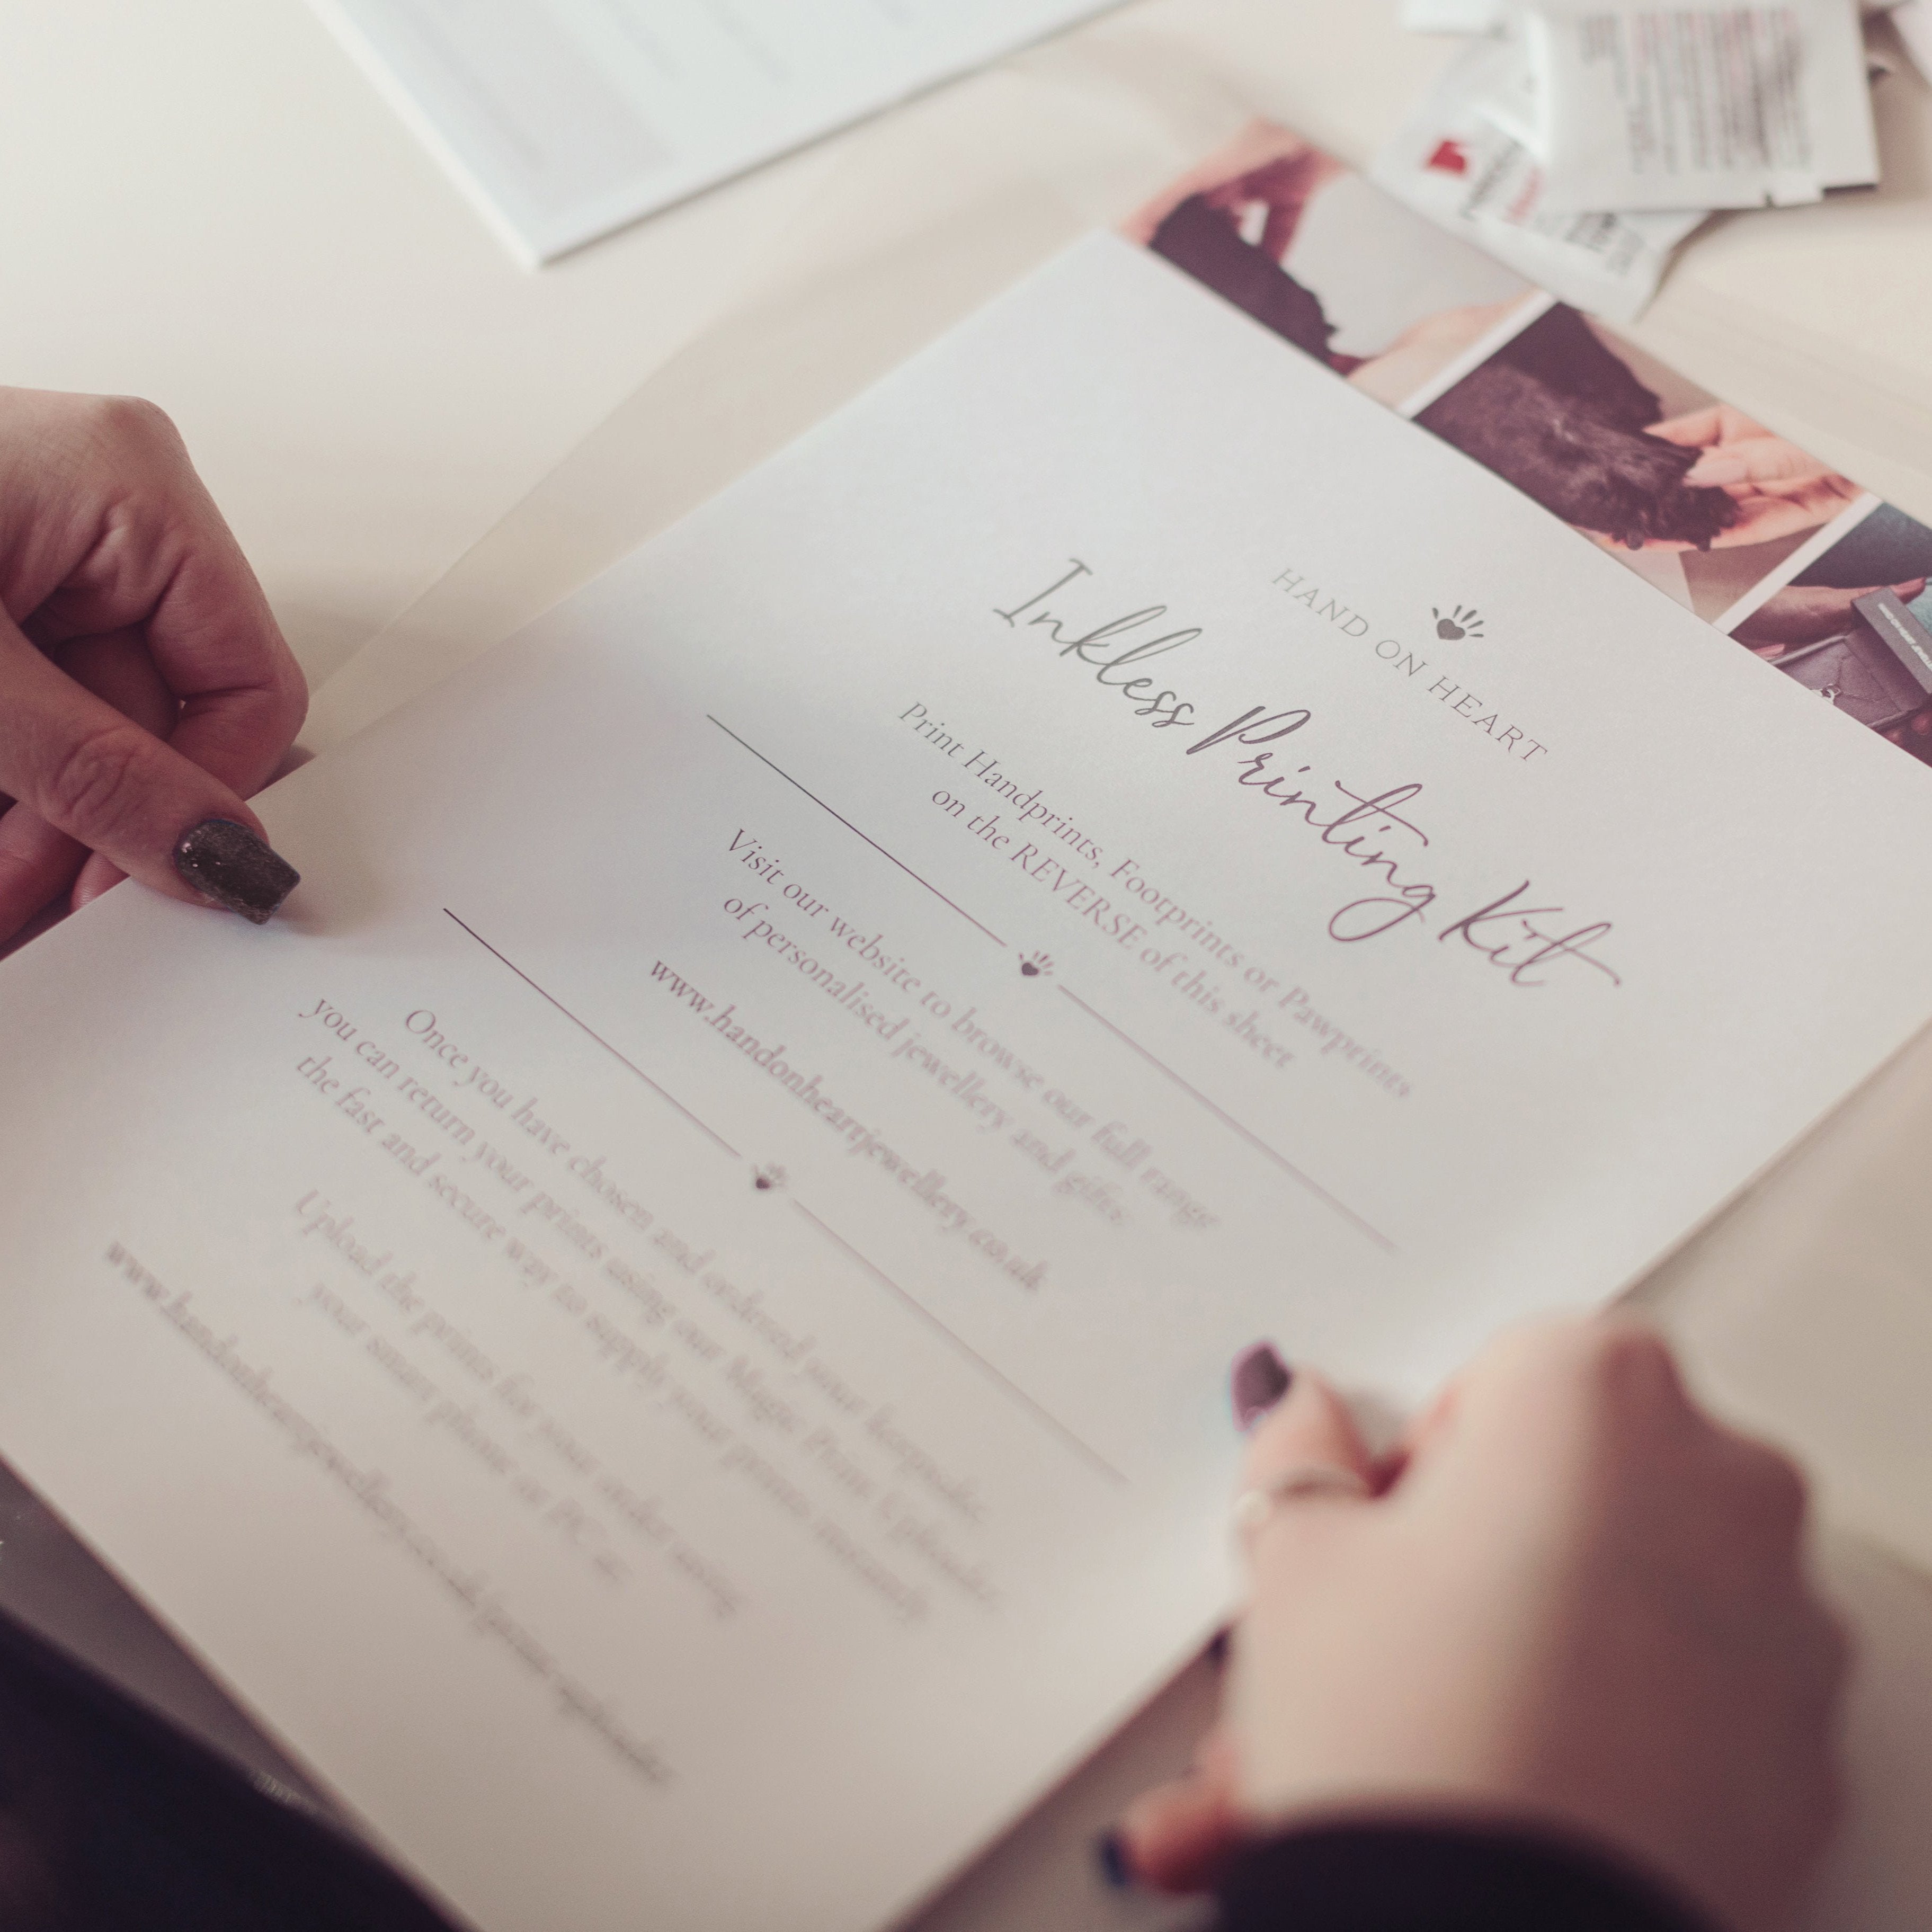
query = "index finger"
x=165 y=561
x=214 y=639
x=99 y=777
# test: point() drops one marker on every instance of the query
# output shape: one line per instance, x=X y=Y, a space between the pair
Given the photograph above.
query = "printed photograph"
x=1330 y=263
x=1855 y=625
x=1691 y=493
x=1732 y=521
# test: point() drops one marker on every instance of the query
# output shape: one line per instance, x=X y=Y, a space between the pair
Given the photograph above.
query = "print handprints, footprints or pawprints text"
x=1037 y=966
x=1460 y=621
x=768 y=1177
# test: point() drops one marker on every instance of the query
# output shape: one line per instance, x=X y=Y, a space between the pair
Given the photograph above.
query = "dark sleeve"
x=111 y=1820
x=1438 y=1878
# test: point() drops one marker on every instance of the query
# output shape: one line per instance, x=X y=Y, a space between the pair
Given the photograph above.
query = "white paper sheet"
x=563 y=119
x=390 y=1294
x=1700 y=105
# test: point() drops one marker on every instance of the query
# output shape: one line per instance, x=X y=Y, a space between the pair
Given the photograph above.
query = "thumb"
x=101 y=778
x=1310 y=1428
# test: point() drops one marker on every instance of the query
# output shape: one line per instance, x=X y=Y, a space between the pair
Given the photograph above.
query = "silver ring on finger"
x=1306 y=1481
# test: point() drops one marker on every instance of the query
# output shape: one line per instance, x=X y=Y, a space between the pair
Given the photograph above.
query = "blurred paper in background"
x=563 y=119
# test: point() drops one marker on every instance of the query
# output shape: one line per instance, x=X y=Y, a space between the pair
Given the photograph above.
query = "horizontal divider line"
x=1011 y=1387
x=1042 y=1414
x=852 y=829
x=1227 y=1120
x=662 y=1094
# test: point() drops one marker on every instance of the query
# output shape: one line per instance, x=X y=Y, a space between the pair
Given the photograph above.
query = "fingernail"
x=1110 y=1854
x=1259 y=1380
x=1218 y=1645
x=227 y=863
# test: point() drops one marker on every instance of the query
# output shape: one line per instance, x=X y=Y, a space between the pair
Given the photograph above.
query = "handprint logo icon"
x=1463 y=621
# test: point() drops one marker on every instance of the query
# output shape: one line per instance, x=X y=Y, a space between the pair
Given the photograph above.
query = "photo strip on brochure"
x=1821 y=580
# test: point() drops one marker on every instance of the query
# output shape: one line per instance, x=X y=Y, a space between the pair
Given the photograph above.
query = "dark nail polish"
x=1260 y=1379
x=1218 y=1645
x=1110 y=1854
x=227 y=863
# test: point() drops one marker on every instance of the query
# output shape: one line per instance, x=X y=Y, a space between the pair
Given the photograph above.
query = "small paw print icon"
x=1037 y=966
x=1465 y=621
x=768 y=1177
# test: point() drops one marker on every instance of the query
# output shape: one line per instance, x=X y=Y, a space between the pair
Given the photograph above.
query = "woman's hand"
x=1809 y=613
x=145 y=689
x=1779 y=489
x=1571 y=1600
x=1282 y=187
x=1263 y=166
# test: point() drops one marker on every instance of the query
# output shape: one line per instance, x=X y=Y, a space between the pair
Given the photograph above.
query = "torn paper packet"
x=1457 y=160
x=1667 y=104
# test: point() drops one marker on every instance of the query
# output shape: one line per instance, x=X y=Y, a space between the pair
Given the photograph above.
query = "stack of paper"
x=564 y=119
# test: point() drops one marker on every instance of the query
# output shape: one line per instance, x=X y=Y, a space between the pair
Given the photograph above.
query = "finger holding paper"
x=1579 y=1612
x=38 y=864
x=149 y=690
x=1176 y=1837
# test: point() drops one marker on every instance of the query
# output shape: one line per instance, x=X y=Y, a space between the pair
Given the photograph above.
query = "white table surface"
x=421 y=445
